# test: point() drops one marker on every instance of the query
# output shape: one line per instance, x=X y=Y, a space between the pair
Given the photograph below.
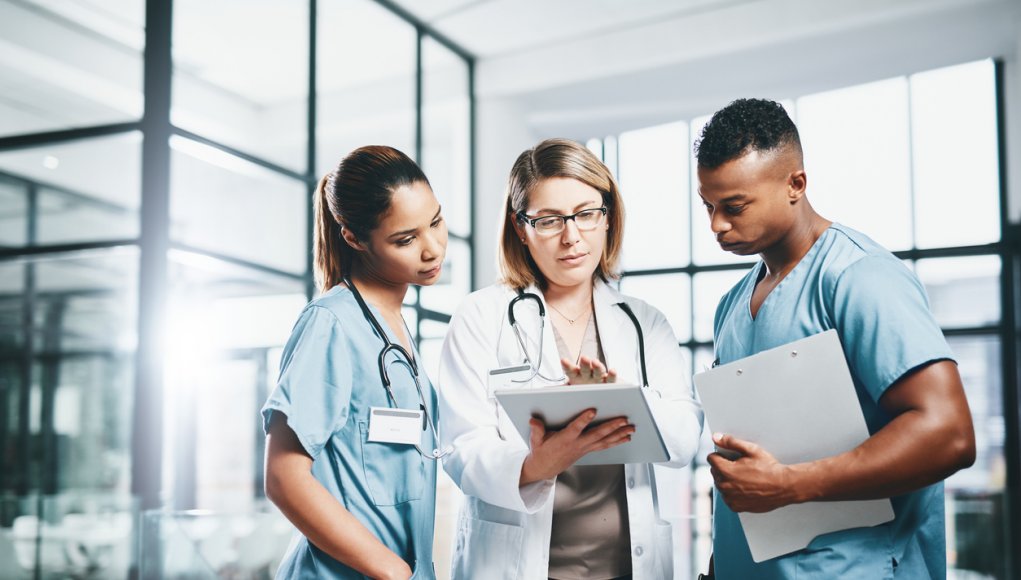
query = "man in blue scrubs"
x=815 y=275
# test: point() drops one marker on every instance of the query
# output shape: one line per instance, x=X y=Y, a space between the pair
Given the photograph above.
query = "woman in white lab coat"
x=529 y=512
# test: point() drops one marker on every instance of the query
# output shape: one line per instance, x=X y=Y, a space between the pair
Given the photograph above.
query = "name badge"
x=395 y=425
x=515 y=377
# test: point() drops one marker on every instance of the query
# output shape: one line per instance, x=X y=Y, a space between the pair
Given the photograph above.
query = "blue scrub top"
x=329 y=378
x=880 y=311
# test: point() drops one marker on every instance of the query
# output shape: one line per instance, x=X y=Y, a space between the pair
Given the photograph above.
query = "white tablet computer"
x=556 y=406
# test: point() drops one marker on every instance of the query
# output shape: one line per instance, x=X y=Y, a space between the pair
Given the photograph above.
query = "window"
x=177 y=327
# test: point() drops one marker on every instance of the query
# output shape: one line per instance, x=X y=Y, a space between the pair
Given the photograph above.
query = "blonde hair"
x=556 y=158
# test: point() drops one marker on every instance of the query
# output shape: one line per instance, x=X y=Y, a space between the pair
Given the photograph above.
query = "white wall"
x=502 y=133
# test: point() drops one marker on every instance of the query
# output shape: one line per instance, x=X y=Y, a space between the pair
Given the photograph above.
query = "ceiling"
x=574 y=65
x=530 y=24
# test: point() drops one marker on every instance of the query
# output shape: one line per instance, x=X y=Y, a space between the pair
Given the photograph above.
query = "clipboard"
x=798 y=402
x=557 y=406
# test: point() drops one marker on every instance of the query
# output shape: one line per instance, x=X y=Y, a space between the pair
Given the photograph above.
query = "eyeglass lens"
x=585 y=220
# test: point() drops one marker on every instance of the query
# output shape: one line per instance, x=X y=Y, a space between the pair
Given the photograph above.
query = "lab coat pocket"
x=487 y=550
x=664 y=550
x=394 y=472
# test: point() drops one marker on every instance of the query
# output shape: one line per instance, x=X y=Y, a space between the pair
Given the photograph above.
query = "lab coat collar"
x=606 y=294
x=616 y=333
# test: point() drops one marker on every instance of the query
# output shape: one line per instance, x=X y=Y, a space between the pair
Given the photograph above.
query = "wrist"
x=399 y=570
x=527 y=471
x=803 y=483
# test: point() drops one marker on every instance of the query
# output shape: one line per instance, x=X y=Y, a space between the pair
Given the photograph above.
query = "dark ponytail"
x=355 y=196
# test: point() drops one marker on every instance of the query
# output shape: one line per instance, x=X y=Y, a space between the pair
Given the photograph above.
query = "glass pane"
x=976 y=508
x=953 y=126
x=704 y=358
x=446 y=132
x=13 y=379
x=13 y=212
x=231 y=207
x=670 y=293
x=85 y=190
x=83 y=328
x=224 y=324
x=704 y=249
x=70 y=64
x=411 y=320
x=243 y=80
x=858 y=158
x=455 y=280
x=430 y=345
x=610 y=157
x=433 y=329
x=709 y=288
x=653 y=178
x=963 y=292
x=365 y=97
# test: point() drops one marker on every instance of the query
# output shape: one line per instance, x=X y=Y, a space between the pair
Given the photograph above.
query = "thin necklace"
x=566 y=317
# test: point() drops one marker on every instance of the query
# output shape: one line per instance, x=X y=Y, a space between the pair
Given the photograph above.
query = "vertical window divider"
x=912 y=198
x=419 y=37
x=154 y=242
x=1010 y=295
x=310 y=149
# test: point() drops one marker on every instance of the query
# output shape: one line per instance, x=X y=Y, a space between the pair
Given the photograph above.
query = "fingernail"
x=717 y=437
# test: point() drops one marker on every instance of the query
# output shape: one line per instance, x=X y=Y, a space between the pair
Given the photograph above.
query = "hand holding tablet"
x=557 y=407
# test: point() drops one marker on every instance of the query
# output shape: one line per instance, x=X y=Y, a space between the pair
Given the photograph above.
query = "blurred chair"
x=10 y=564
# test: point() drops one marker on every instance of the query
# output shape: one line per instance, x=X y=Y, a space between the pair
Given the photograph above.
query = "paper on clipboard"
x=798 y=402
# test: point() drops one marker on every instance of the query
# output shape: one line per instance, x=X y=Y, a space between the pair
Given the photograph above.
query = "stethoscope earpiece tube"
x=408 y=361
x=641 y=340
x=522 y=295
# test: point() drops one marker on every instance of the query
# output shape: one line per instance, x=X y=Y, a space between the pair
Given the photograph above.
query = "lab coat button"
x=631 y=483
x=639 y=551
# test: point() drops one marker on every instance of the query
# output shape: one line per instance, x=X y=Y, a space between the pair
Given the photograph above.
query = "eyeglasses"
x=586 y=219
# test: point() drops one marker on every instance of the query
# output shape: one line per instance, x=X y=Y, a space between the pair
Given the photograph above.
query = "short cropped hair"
x=556 y=158
x=743 y=126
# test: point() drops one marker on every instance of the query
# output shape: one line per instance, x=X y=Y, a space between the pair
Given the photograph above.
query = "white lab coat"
x=503 y=531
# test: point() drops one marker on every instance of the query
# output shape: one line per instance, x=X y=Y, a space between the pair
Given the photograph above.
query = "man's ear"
x=352 y=240
x=797 y=183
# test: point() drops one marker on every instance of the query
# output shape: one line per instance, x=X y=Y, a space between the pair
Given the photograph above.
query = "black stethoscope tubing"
x=522 y=295
x=408 y=361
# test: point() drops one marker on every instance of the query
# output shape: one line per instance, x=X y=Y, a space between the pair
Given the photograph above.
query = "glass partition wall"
x=157 y=162
x=913 y=162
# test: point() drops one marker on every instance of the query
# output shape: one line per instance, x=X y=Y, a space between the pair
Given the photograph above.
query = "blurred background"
x=157 y=161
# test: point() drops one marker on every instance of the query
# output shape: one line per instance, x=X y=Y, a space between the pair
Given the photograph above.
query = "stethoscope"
x=522 y=295
x=404 y=358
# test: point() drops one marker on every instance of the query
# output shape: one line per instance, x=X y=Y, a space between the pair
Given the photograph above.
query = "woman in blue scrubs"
x=364 y=503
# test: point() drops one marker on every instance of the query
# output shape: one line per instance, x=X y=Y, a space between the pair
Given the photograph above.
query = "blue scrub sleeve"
x=314 y=388
x=882 y=315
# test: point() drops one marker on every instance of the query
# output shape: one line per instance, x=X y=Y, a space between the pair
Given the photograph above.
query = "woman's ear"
x=519 y=227
x=351 y=239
